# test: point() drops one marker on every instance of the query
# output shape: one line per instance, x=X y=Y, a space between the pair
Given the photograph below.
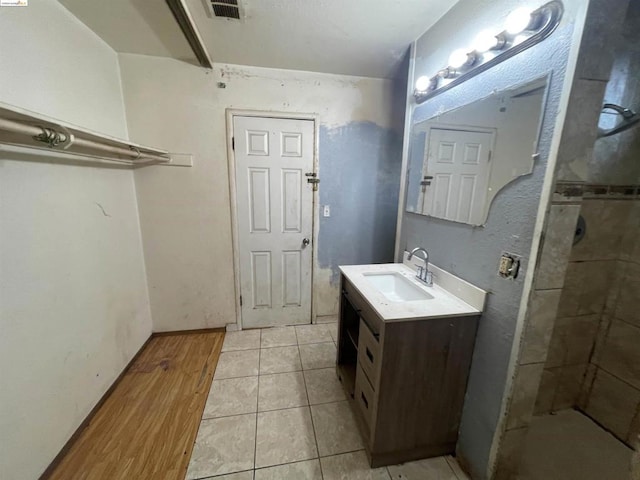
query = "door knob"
x=305 y=242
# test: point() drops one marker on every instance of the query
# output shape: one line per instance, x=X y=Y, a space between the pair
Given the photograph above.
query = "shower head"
x=629 y=119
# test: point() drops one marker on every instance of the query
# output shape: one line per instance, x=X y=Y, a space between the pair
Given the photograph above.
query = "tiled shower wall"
x=593 y=360
x=611 y=390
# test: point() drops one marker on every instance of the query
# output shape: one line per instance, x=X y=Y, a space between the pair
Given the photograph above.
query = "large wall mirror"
x=459 y=160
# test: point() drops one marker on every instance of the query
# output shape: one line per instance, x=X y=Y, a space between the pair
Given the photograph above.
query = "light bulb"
x=485 y=41
x=518 y=20
x=422 y=83
x=458 y=58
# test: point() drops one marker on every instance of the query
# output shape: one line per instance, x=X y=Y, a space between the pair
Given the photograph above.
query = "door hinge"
x=240 y=300
x=233 y=143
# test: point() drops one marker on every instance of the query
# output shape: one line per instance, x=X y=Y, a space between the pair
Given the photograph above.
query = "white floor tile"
x=232 y=396
x=428 y=469
x=318 y=355
x=285 y=436
x=323 y=386
x=309 y=470
x=244 y=340
x=223 y=445
x=242 y=363
x=279 y=360
x=278 y=337
x=313 y=333
x=282 y=390
x=351 y=466
x=336 y=428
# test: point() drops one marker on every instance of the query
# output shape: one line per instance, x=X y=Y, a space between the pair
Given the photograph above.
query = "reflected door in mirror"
x=457 y=173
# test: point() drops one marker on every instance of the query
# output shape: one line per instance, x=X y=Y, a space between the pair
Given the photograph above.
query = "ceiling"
x=351 y=37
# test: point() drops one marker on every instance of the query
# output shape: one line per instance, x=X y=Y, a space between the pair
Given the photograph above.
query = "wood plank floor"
x=146 y=428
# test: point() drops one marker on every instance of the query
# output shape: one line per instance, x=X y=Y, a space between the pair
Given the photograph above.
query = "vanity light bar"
x=523 y=29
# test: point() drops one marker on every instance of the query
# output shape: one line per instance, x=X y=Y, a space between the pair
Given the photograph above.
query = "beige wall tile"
x=570 y=298
x=606 y=223
x=580 y=129
x=541 y=317
x=633 y=437
x=557 y=246
x=587 y=384
x=572 y=340
x=569 y=386
x=586 y=287
x=594 y=286
x=601 y=336
x=600 y=33
x=547 y=390
x=579 y=338
x=525 y=390
x=627 y=305
x=630 y=247
x=509 y=454
x=613 y=403
x=557 y=351
x=614 y=289
x=621 y=352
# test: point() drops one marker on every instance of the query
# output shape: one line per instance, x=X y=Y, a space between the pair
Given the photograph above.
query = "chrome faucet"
x=423 y=274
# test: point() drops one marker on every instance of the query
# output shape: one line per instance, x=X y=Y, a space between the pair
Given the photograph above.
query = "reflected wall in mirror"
x=460 y=160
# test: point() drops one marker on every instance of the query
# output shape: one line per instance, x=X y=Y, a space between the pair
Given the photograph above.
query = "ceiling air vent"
x=224 y=9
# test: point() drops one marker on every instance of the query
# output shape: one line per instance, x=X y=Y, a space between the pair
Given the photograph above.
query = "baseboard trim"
x=189 y=332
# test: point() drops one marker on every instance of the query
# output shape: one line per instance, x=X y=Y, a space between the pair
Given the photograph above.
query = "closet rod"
x=66 y=140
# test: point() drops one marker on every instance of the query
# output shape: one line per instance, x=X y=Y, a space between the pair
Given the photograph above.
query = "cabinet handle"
x=364 y=399
x=369 y=354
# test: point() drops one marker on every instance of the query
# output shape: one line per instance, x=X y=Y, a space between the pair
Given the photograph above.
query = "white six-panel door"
x=457 y=161
x=274 y=206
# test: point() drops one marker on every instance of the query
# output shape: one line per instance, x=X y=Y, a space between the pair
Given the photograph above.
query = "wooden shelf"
x=352 y=333
x=21 y=129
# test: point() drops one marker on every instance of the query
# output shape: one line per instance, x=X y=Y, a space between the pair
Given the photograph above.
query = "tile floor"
x=276 y=411
x=570 y=446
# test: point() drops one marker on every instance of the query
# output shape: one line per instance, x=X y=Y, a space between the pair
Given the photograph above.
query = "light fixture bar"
x=548 y=15
x=183 y=17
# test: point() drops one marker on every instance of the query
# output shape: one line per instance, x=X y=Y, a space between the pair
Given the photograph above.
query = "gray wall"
x=360 y=168
x=473 y=252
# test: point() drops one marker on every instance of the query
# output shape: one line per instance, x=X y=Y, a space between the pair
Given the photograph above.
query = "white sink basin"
x=396 y=287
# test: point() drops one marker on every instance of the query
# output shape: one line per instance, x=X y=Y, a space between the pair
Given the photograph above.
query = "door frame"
x=230 y=113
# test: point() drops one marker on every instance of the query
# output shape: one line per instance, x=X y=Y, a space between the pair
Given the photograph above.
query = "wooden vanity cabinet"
x=406 y=380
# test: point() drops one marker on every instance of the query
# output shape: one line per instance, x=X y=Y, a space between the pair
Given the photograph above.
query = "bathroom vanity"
x=404 y=352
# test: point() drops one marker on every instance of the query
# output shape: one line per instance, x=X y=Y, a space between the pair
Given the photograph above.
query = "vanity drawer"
x=364 y=397
x=368 y=353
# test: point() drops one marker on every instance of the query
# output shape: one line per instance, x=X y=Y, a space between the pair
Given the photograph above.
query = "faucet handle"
x=429 y=278
x=420 y=270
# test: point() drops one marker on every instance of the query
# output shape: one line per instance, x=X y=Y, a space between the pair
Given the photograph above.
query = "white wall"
x=185 y=213
x=74 y=306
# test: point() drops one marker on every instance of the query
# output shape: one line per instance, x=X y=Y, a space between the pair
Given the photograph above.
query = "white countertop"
x=443 y=304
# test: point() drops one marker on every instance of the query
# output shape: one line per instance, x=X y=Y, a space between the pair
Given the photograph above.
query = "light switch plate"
x=326 y=211
x=509 y=265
